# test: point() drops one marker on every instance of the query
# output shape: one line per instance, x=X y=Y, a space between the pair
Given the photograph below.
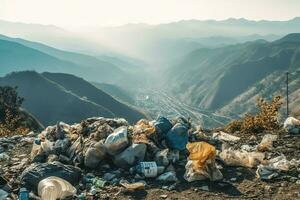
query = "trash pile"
x=79 y=161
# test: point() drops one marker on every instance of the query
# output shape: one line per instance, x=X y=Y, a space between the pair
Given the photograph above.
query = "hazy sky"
x=70 y=13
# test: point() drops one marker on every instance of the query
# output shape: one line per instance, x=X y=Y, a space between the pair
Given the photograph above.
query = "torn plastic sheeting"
x=241 y=158
x=266 y=173
x=266 y=143
x=53 y=188
x=36 y=172
x=143 y=131
x=273 y=168
x=279 y=163
x=225 y=137
x=166 y=156
x=292 y=125
x=201 y=162
x=133 y=186
x=177 y=137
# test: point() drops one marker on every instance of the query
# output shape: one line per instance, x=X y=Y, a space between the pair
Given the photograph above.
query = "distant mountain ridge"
x=220 y=78
x=50 y=99
x=18 y=55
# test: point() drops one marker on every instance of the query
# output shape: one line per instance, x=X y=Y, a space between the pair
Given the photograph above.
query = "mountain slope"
x=214 y=78
x=116 y=91
x=51 y=102
x=83 y=88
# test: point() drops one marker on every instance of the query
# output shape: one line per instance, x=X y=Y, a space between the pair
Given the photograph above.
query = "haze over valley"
x=209 y=70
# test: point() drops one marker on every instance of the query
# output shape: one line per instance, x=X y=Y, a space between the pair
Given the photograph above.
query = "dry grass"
x=265 y=119
x=12 y=124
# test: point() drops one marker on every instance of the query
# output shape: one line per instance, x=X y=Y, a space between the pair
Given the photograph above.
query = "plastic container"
x=24 y=194
x=148 y=169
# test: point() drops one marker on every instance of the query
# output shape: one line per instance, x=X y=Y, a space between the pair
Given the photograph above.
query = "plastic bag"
x=241 y=158
x=225 y=137
x=177 y=137
x=53 y=188
x=167 y=177
x=130 y=156
x=143 y=131
x=94 y=155
x=117 y=141
x=201 y=162
x=267 y=142
x=272 y=169
x=36 y=172
x=292 y=125
x=162 y=125
x=166 y=156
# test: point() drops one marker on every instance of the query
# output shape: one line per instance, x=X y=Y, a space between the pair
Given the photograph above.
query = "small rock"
x=253 y=138
x=284 y=184
x=31 y=134
x=3 y=194
x=1 y=149
x=233 y=179
x=298 y=182
x=268 y=188
x=163 y=196
x=204 y=188
x=109 y=176
x=293 y=179
x=168 y=177
x=3 y=156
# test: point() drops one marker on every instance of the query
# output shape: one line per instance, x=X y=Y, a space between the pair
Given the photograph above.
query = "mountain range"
x=230 y=78
x=53 y=97
x=216 y=68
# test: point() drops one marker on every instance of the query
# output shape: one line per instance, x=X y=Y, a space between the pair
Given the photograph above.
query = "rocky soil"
x=238 y=182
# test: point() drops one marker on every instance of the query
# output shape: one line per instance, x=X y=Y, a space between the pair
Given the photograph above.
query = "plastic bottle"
x=98 y=183
x=24 y=194
x=82 y=196
x=148 y=169
x=53 y=188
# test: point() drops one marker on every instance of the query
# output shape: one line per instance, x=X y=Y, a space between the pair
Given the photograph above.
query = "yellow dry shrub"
x=265 y=119
x=11 y=125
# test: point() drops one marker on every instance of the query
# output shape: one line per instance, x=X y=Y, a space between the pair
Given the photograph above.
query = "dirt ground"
x=238 y=182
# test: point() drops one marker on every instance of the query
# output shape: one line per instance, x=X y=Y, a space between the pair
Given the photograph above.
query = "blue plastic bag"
x=162 y=125
x=177 y=137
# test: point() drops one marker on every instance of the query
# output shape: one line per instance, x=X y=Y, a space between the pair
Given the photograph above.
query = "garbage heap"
x=78 y=160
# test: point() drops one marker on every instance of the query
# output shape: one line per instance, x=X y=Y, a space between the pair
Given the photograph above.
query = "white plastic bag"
x=292 y=125
x=241 y=158
x=117 y=141
x=201 y=163
x=53 y=188
x=225 y=137
x=266 y=143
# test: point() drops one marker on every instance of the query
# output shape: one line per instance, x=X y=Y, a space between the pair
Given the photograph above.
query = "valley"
x=157 y=102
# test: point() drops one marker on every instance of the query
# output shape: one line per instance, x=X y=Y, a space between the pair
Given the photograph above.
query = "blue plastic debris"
x=162 y=125
x=177 y=137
